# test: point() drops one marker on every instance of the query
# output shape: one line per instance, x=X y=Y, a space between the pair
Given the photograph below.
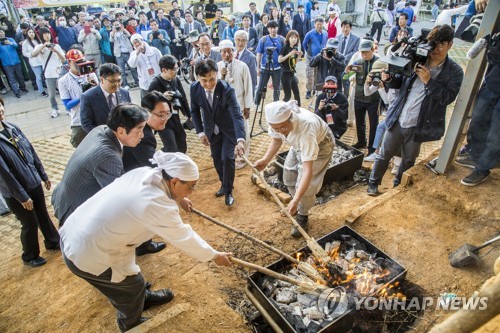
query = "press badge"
x=151 y=71
x=329 y=119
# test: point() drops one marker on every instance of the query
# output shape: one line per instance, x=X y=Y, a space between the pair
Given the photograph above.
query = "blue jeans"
x=122 y=61
x=15 y=77
x=264 y=79
x=38 y=74
x=435 y=12
x=379 y=134
x=484 y=130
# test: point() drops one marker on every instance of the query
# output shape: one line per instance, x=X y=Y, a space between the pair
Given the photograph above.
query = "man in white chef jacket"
x=99 y=238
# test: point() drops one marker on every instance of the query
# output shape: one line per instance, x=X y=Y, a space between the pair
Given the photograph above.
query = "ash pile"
x=352 y=272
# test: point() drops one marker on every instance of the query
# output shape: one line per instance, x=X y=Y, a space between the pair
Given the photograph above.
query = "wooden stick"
x=311 y=242
x=303 y=266
x=276 y=275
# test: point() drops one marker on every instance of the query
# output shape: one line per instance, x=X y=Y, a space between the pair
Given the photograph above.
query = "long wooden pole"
x=318 y=251
x=303 y=266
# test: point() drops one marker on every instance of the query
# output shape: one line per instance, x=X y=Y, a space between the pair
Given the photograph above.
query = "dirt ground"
x=418 y=227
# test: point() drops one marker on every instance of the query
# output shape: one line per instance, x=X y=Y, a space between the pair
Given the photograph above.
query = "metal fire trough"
x=337 y=172
x=273 y=316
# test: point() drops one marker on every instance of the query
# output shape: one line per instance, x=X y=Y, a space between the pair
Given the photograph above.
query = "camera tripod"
x=263 y=92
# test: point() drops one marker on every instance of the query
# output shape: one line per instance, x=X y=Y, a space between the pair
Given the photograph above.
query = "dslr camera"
x=329 y=90
x=270 y=50
x=376 y=78
x=329 y=52
x=156 y=34
x=176 y=100
x=416 y=50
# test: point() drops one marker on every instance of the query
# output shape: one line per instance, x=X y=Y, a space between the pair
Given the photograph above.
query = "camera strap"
x=46 y=63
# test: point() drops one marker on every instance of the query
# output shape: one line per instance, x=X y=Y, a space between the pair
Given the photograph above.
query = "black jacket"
x=340 y=114
x=19 y=174
x=334 y=66
x=439 y=93
x=138 y=156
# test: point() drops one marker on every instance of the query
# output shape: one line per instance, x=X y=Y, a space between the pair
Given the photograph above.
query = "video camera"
x=329 y=90
x=270 y=50
x=415 y=51
x=86 y=67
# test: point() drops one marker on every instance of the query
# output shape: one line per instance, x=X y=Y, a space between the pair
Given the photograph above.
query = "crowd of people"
x=87 y=58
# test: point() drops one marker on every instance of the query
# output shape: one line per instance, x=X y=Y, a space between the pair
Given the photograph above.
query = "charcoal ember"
x=284 y=284
x=313 y=327
x=269 y=286
x=297 y=309
x=299 y=324
x=306 y=321
x=350 y=255
x=325 y=323
x=336 y=271
x=328 y=246
x=342 y=263
x=286 y=296
x=362 y=255
x=285 y=308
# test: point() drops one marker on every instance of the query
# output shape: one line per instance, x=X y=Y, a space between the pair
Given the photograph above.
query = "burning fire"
x=350 y=274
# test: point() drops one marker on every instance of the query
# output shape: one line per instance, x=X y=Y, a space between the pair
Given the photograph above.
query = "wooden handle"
x=247 y=236
x=266 y=271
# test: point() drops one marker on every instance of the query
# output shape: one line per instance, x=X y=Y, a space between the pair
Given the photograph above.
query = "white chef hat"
x=278 y=112
x=176 y=165
x=134 y=37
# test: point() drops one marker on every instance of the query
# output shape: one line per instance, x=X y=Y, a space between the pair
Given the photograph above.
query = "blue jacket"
x=314 y=42
x=439 y=93
x=105 y=42
x=67 y=37
x=18 y=174
x=8 y=54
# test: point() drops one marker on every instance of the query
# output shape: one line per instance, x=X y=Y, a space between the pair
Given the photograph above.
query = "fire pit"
x=359 y=269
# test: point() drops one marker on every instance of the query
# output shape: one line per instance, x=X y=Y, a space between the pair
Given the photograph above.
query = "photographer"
x=418 y=113
x=167 y=83
x=331 y=106
x=329 y=62
x=402 y=29
x=288 y=58
x=268 y=52
x=71 y=87
x=122 y=48
x=158 y=38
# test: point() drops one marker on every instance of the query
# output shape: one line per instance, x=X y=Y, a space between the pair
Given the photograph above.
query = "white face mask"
x=63 y=24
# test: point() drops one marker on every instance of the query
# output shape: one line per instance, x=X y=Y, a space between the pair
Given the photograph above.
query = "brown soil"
x=419 y=227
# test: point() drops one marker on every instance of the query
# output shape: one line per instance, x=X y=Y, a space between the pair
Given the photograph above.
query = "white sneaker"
x=126 y=87
x=397 y=162
x=371 y=158
x=54 y=113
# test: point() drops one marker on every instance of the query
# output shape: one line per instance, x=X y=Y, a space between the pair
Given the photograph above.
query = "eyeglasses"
x=114 y=81
x=441 y=45
x=163 y=116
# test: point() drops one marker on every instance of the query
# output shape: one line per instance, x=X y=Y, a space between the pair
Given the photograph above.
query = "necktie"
x=342 y=48
x=237 y=55
x=302 y=17
x=210 y=101
x=111 y=103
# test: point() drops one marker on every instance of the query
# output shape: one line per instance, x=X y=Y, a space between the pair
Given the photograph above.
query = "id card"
x=151 y=71
x=329 y=119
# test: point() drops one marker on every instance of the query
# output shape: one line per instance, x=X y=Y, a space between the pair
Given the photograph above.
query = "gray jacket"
x=121 y=38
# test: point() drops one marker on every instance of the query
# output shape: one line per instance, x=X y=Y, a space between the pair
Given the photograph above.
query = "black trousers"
x=377 y=27
x=360 y=109
x=290 y=83
x=173 y=136
x=31 y=220
x=222 y=150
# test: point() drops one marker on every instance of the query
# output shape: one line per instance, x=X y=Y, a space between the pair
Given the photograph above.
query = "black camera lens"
x=330 y=53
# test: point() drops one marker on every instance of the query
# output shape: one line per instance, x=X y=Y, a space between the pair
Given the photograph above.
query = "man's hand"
x=92 y=30
x=481 y=5
x=47 y=184
x=185 y=204
x=28 y=205
x=258 y=71
x=169 y=95
x=292 y=207
x=223 y=72
x=7 y=42
x=260 y=164
x=222 y=259
x=160 y=37
x=239 y=150
x=348 y=69
x=385 y=76
x=204 y=140
x=150 y=38
x=246 y=113
x=323 y=53
x=423 y=73
x=369 y=79
x=192 y=62
x=321 y=105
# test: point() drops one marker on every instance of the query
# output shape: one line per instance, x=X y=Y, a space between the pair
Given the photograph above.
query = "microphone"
x=477 y=47
x=396 y=46
x=226 y=64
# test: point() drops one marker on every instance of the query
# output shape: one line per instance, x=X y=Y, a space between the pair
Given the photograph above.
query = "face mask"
x=62 y=24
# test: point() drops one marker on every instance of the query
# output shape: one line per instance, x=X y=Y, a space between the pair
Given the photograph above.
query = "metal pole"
x=469 y=89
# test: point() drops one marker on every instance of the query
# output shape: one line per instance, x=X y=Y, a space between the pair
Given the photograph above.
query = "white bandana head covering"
x=279 y=112
x=176 y=165
x=134 y=37
x=226 y=44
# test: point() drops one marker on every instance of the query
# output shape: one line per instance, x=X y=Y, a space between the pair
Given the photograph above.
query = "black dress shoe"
x=229 y=200
x=148 y=285
x=157 y=297
x=219 y=193
x=37 y=262
x=149 y=247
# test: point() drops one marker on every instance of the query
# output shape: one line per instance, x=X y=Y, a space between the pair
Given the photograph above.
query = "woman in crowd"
x=288 y=59
x=261 y=27
x=275 y=15
x=284 y=24
x=199 y=18
x=35 y=62
x=52 y=57
x=21 y=175
x=315 y=12
x=105 y=42
x=390 y=15
x=177 y=45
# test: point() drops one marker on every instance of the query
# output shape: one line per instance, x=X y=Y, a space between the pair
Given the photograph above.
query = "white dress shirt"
x=105 y=230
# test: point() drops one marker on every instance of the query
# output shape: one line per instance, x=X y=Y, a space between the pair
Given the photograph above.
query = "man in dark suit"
x=254 y=14
x=301 y=22
x=253 y=39
x=348 y=45
x=98 y=159
x=243 y=54
x=96 y=103
x=221 y=127
x=191 y=24
x=152 y=14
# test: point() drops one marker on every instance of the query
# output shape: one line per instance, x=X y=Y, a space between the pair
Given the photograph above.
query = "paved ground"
x=51 y=138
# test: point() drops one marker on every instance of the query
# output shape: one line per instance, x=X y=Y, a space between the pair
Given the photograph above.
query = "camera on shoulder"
x=176 y=100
